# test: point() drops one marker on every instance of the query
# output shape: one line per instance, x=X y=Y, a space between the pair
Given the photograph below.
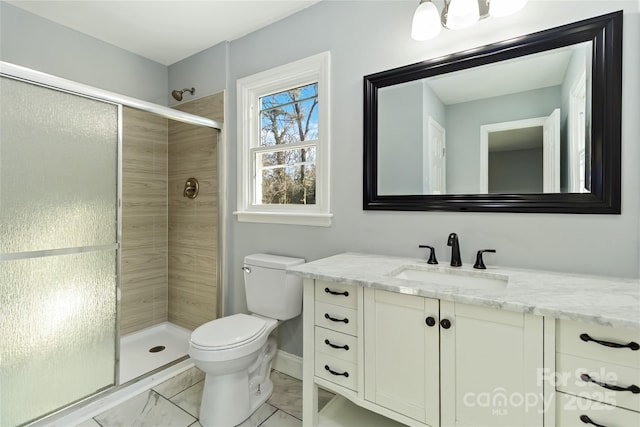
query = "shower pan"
x=63 y=251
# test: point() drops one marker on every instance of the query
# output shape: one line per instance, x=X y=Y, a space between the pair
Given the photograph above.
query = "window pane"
x=289 y=116
x=286 y=177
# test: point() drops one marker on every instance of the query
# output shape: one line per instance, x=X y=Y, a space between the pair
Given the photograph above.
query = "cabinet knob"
x=445 y=323
x=430 y=321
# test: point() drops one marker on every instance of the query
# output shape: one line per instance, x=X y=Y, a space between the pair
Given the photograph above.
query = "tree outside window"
x=285 y=162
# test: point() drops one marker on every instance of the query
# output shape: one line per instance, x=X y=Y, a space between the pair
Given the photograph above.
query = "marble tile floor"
x=176 y=403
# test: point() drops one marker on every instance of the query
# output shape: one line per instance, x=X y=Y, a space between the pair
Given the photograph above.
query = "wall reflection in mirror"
x=514 y=126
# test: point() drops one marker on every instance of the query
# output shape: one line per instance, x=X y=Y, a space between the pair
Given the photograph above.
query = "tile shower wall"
x=193 y=223
x=144 y=221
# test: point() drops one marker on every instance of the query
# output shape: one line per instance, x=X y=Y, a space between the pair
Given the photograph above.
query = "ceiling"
x=503 y=78
x=165 y=31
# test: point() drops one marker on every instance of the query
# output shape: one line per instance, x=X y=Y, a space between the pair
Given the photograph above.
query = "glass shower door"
x=58 y=249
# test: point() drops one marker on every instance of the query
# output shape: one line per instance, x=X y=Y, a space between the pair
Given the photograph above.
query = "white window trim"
x=250 y=89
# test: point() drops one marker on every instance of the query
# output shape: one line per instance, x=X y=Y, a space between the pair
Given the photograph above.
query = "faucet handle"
x=432 y=254
x=479 y=262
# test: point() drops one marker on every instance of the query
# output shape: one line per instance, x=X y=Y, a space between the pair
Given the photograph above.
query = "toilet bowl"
x=231 y=351
x=236 y=352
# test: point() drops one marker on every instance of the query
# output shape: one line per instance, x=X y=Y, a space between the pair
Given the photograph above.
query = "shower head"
x=177 y=94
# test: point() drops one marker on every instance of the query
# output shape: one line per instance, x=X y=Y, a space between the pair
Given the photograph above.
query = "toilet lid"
x=230 y=331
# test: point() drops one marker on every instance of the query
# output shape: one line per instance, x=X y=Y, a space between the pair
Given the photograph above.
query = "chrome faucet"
x=455 y=250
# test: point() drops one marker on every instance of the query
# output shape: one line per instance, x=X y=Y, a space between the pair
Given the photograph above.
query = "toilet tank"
x=271 y=292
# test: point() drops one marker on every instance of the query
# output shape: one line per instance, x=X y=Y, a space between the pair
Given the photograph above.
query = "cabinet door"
x=401 y=355
x=491 y=363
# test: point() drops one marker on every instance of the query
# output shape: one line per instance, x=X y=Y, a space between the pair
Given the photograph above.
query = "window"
x=283 y=144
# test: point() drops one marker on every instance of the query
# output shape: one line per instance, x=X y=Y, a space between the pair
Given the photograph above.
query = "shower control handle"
x=191 y=188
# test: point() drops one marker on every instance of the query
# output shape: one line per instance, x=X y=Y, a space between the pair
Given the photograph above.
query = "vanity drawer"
x=570 y=379
x=576 y=338
x=571 y=411
x=337 y=318
x=336 y=293
x=336 y=370
x=336 y=344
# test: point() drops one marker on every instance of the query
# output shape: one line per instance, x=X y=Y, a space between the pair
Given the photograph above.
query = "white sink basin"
x=450 y=277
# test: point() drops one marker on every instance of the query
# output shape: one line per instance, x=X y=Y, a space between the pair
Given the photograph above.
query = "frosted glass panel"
x=58 y=191
x=57 y=332
x=58 y=163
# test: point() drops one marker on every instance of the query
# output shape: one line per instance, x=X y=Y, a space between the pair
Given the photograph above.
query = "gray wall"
x=515 y=171
x=365 y=37
x=206 y=71
x=34 y=42
x=400 y=139
x=463 y=130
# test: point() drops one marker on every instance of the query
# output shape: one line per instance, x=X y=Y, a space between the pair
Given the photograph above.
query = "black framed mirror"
x=531 y=124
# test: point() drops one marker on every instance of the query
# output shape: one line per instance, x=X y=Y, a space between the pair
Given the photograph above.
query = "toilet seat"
x=228 y=332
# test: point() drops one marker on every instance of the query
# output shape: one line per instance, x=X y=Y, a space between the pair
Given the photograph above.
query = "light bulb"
x=426 y=22
x=462 y=14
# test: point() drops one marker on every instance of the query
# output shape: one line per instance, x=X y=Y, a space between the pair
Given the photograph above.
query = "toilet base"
x=259 y=397
x=224 y=405
x=228 y=400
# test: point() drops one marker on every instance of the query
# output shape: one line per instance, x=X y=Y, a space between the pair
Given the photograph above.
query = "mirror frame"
x=606 y=107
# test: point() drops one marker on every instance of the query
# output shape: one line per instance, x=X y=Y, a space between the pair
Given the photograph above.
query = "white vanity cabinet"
x=421 y=361
x=597 y=375
x=402 y=354
x=490 y=360
x=452 y=364
x=434 y=346
x=336 y=333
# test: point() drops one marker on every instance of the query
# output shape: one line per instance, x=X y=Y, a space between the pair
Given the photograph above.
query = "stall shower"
x=105 y=265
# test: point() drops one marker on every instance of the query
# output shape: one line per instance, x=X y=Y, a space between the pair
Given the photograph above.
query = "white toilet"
x=235 y=352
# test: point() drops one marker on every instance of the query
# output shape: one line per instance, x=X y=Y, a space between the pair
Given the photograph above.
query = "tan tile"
x=143 y=266
x=137 y=232
x=211 y=107
x=193 y=307
x=137 y=156
x=169 y=247
x=161 y=158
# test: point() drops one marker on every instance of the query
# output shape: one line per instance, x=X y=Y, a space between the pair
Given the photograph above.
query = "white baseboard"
x=288 y=363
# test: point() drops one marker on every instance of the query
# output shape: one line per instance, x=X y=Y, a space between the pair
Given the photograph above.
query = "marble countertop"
x=602 y=300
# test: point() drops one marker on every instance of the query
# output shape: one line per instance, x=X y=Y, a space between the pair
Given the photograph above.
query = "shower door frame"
x=27 y=75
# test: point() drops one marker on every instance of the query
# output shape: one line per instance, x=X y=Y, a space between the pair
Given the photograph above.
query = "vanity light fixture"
x=457 y=14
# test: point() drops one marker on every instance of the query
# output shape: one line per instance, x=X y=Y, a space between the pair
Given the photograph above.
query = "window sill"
x=312 y=219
